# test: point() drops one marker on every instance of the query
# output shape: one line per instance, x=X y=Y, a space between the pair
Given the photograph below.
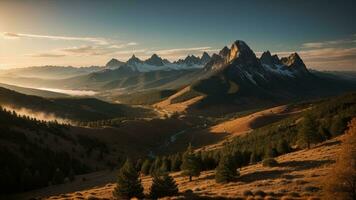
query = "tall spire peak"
x=239 y=49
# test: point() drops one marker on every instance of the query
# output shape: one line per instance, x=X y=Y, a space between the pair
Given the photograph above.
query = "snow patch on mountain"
x=279 y=69
x=144 y=67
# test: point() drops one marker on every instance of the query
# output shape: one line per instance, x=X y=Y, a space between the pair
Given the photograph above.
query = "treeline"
x=321 y=122
x=26 y=163
x=11 y=118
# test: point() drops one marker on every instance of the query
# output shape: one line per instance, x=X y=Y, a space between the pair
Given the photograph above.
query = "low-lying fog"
x=38 y=115
x=71 y=92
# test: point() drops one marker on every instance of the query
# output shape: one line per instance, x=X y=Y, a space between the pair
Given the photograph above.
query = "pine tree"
x=163 y=185
x=308 y=133
x=226 y=170
x=145 y=169
x=128 y=182
x=283 y=147
x=176 y=162
x=337 y=126
x=166 y=165
x=190 y=165
x=58 y=177
x=270 y=152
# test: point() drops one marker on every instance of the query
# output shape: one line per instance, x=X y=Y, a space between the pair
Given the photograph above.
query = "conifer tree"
x=58 y=176
x=128 y=182
x=308 y=133
x=163 y=185
x=283 y=147
x=226 y=170
x=176 y=162
x=145 y=169
x=190 y=165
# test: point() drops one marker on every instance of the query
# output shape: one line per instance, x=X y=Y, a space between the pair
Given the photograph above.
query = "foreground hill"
x=32 y=150
x=300 y=175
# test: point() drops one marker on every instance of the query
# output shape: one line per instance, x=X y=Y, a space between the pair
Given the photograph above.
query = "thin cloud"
x=97 y=40
x=47 y=55
x=181 y=50
x=330 y=43
x=132 y=44
x=131 y=51
x=79 y=50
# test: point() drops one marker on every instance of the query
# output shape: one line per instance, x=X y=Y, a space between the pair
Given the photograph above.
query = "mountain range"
x=234 y=76
x=155 y=63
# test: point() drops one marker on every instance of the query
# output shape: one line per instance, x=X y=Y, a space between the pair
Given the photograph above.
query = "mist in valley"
x=48 y=117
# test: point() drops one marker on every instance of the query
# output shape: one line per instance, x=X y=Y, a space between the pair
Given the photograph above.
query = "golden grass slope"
x=178 y=107
x=300 y=175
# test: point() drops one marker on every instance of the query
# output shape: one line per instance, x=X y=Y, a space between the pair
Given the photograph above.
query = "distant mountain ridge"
x=155 y=63
x=50 y=72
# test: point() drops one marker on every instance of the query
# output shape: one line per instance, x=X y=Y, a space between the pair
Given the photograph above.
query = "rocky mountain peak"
x=192 y=60
x=239 y=49
x=294 y=62
x=205 y=58
x=155 y=60
x=133 y=60
x=114 y=63
x=224 y=52
x=268 y=59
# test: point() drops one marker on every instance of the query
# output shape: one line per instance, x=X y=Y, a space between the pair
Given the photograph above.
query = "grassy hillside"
x=29 y=157
x=299 y=176
x=145 y=97
x=76 y=109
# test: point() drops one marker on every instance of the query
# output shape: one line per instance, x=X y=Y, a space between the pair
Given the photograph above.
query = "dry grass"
x=299 y=175
x=341 y=182
x=170 y=107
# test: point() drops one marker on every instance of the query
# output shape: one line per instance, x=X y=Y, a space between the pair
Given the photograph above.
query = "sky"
x=85 y=33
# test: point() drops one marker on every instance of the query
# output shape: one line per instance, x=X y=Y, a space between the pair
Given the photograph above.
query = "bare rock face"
x=134 y=60
x=155 y=60
x=295 y=63
x=205 y=58
x=240 y=50
x=268 y=59
x=114 y=63
x=224 y=52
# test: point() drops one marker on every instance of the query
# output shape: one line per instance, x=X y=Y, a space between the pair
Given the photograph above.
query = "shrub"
x=294 y=194
x=247 y=193
x=269 y=162
x=259 y=193
x=311 y=189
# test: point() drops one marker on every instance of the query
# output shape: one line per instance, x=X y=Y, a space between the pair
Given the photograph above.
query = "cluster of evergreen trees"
x=129 y=183
x=25 y=164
